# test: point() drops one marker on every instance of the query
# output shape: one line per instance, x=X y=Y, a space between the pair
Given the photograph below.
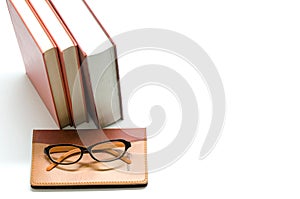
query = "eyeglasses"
x=106 y=151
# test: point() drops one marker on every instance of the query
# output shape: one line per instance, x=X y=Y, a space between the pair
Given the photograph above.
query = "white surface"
x=255 y=46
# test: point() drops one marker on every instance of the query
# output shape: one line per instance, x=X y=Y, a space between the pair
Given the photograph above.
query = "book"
x=98 y=60
x=41 y=60
x=77 y=167
x=69 y=58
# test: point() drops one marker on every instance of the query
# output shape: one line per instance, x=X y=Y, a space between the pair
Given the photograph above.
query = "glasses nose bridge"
x=84 y=150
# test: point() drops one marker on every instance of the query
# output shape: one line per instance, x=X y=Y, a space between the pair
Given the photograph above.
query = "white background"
x=255 y=46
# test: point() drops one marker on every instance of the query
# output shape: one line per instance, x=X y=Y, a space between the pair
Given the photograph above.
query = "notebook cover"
x=88 y=172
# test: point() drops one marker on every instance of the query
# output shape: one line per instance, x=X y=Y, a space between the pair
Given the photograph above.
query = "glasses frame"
x=87 y=150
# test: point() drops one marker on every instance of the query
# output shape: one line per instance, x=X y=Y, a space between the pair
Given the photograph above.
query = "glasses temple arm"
x=64 y=156
x=116 y=154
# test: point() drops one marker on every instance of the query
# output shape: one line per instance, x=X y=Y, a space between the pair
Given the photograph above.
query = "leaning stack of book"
x=70 y=60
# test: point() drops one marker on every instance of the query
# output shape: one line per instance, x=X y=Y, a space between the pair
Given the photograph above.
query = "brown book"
x=41 y=60
x=69 y=58
x=98 y=58
x=88 y=158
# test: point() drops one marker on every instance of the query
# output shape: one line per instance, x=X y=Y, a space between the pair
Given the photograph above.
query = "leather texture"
x=88 y=172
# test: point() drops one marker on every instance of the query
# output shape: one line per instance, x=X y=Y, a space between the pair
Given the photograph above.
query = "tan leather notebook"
x=89 y=158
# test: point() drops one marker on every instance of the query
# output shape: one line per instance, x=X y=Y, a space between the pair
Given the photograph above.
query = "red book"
x=41 y=60
x=69 y=59
x=98 y=60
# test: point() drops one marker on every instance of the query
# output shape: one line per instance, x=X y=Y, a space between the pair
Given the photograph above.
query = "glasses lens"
x=108 y=151
x=65 y=154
